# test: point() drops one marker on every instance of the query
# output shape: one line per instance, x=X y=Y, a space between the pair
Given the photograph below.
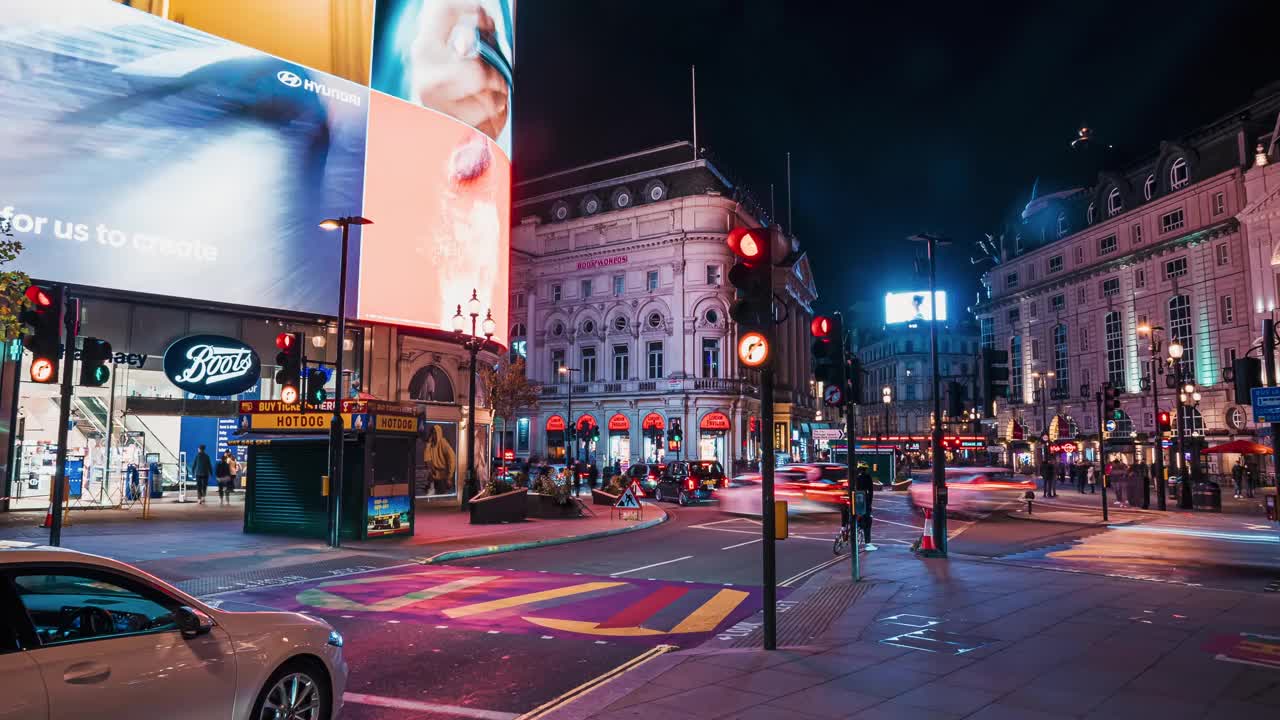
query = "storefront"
x=556 y=448
x=588 y=437
x=653 y=427
x=713 y=436
x=619 y=440
x=176 y=375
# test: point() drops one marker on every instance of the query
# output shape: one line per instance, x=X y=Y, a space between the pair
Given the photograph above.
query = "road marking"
x=875 y=520
x=586 y=627
x=426 y=707
x=742 y=543
x=315 y=597
x=757 y=532
x=806 y=573
x=712 y=612
x=644 y=608
x=646 y=567
x=527 y=599
x=586 y=687
x=729 y=520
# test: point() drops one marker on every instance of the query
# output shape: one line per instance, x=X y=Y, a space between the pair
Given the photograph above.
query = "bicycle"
x=841 y=542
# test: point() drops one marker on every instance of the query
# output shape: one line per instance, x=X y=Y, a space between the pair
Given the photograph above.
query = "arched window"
x=1192 y=421
x=1149 y=187
x=1180 y=330
x=1090 y=214
x=431 y=384
x=1179 y=175
x=1061 y=365
x=1115 y=202
x=1115 y=349
x=1062 y=224
x=518 y=330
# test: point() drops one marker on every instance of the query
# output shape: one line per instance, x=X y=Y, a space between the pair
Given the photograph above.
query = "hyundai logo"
x=289 y=78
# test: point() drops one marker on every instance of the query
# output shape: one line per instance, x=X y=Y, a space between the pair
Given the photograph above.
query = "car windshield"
x=834 y=474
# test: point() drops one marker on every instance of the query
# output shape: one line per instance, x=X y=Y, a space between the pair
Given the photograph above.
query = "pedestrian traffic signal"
x=43 y=320
x=995 y=379
x=752 y=278
x=315 y=380
x=1246 y=373
x=676 y=434
x=829 y=366
x=1163 y=421
x=1111 y=401
x=95 y=362
x=289 y=361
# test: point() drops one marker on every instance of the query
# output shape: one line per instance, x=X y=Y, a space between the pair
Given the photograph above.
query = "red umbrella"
x=1243 y=447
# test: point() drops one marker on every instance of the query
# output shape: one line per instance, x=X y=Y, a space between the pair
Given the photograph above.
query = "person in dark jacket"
x=864 y=484
x=201 y=469
x=593 y=476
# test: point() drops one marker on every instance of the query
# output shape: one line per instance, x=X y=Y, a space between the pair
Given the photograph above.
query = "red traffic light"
x=38 y=296
x=284 y=341
x=41 y=370
x=750 y=244
x=289 y=394
x=1163 y=420
x=821 y=326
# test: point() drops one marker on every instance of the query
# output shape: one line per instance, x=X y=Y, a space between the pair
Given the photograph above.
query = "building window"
x=1084 y=339
x=713 y=274
x=518 y=330
x=1176 y=267
x=621 y=363
x=1219 y=203
x=1115 y=203
x=1107 y=245
x=1081 y=296
x=1034 y=307
x=1180 y=330
x=1079 y=255
x=711 y=357
x=1061 y=364
x=651 y=280
x=586 y=288
x=1089 y=214
x=588 y=364
x=1055 y=264
x=521 y=301
x=1035 y=348
x=655 y=357
x=1062 y=224
x=619 y=285
x=1014 y=316
x=620 y=323
x=1115 y=349
x=556 y=293
x=1178 y=174
x=654 y=320
x=1171 y=221
x=1140 y=278
x=588 y=327
x=1149 y=187
x=1057 y=302
x=1228 y=357
x=1011 y=281
x=987 y=332
x=557 y=362
x=1224 y=254
x=1137 y=234
x=1227 y=304
x=1110 y=287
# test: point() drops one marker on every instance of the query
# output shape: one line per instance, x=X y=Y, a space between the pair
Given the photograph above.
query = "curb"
x=530 y=544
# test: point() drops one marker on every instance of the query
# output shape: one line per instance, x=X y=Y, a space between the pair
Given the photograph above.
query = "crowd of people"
x=1130 y=482
x=574 y=475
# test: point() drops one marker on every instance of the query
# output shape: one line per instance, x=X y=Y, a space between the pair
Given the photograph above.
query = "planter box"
x=545 y=506
x=600 y=497
x=507 y=507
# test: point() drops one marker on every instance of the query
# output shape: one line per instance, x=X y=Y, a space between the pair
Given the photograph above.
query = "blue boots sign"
x=212 y=365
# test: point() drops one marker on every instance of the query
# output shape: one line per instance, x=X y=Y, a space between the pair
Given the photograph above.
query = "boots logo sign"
x=212 y=365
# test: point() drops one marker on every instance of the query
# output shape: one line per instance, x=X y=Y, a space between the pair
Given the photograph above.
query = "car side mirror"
x=192 y=622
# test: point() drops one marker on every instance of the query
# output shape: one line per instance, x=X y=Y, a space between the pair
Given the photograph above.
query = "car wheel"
x=657 y=494
x=683 y=499
x=298 y=689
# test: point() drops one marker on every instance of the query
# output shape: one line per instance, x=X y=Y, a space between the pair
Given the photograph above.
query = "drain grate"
x=801 y=623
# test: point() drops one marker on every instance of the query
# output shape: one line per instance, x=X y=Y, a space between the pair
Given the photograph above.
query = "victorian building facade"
x=897 y=358
x=1094 y=285
x=620 y=305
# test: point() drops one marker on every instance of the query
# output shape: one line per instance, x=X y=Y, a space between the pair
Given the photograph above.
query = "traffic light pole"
x=939 y=459
x=336 y=435
x=767 y=510
x=69 y=323
x=1269 y=360
x=1102 y=452
x=851 y=435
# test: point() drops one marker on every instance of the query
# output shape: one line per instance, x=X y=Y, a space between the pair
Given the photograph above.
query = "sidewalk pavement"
x=963 y=638
x=204 y=549
x=1075 y=507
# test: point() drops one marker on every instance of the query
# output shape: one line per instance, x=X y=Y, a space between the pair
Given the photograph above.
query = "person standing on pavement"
x=1091 y=478
x=1081 y=474
x=201 y=469
x=222 y=472
x=1249 y=478
x=864 y=484
x=593 y=475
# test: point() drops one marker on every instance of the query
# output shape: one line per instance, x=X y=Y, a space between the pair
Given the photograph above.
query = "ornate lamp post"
x=1188 y=397
x=1041 y=381
x=572 y=424
x=1157 y=368
x=473 y=342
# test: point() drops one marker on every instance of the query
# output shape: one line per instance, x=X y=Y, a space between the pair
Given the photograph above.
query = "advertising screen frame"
x=900 y=307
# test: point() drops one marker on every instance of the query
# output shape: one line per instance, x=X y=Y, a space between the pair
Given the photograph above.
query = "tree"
x=509 y=389
x=12 y=284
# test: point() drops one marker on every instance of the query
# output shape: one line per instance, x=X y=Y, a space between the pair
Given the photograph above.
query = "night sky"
x=900 y=116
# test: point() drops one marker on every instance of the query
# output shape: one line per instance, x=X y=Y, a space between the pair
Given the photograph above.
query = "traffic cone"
x=926 y=539
x=48 y=518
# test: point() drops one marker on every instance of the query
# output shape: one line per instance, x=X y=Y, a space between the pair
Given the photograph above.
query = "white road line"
x=426 y=707
x=757 y=532
x=749 y=542
x=876 y=521
x=806 y=573
x=646 y=567
x=721 y=522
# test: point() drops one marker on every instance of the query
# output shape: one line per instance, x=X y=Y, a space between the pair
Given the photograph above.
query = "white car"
x=83 y=636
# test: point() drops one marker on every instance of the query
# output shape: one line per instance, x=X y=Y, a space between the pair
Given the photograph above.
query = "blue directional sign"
x=1266 y=404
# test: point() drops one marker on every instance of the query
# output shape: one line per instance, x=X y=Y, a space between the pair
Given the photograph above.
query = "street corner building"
x=1105 y=278
x=621 y=305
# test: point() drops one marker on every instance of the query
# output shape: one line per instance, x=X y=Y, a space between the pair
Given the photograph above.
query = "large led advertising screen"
x=142 y=155
x=900 y=307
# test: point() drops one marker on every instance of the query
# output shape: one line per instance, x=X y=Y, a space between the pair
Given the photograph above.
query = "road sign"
x=628 y=500
x=1266 y=404
x=832 y=395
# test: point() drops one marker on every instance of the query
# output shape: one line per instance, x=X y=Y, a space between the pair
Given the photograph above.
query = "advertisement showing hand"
x=446 y=70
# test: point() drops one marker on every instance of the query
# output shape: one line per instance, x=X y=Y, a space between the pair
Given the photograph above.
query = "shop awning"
x=619 y=423
x=1243 y=447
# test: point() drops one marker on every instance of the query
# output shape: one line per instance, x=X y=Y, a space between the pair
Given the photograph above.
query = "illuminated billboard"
x=142 y=155
x=900 y=307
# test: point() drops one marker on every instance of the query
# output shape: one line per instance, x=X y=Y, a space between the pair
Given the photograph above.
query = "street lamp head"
x=473 y=305
x=1196 y=396
x=330 y=224
x=1188 y=388
x=1049 y=374
x=489 y=326
x=1175 y=350
x=1144 y=329
x=458 y=321
x=562 y=370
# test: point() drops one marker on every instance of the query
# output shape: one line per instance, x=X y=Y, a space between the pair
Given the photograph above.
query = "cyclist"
x=864 y=484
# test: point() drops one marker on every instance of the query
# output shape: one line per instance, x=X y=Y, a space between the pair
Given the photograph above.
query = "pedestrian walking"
x=1091 y=478
x=1046 y=477
x=1237 y=479
x=593 y=475
x=201 y=469
x=225 y=478
x=577 y=483
x=1081 y=471
x=864 y=484
x=1250 y=477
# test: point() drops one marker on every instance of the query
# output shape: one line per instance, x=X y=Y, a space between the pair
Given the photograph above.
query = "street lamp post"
x=1153 y=347
x=886 y=397
x=335 y=423
x=1188 y=397
x=938 y=459
x=1041 y=381
x=572 y=425
x=473 y=343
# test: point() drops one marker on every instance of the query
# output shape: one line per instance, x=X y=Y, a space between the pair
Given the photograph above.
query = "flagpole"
x=693 y=81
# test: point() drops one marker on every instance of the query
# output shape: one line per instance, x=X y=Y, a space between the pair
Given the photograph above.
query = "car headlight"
x=335 y=638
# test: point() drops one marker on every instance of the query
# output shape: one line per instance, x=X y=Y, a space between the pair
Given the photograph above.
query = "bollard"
x=1029 y=496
